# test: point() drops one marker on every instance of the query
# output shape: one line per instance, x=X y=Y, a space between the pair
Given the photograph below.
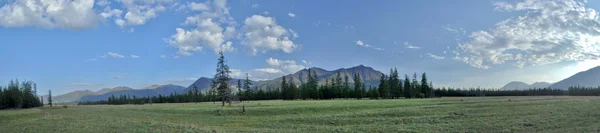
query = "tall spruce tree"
x=416 y=89
x=407 y=87
x=383 y=86
x=346 y=87
x=424 y=85
x=50 y=98
x=221 y=80
x=284 y=89
x=357 y=86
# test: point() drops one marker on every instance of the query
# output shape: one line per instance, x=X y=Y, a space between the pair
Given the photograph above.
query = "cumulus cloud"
x=208 y=31
x=263 y=33
x=78 y=14
x=291 y=14
x=135 y=56
x=255 y=5
x=437 y=57
x=551 y=31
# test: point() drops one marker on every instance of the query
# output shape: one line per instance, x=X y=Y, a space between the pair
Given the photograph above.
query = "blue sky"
x=87 y=44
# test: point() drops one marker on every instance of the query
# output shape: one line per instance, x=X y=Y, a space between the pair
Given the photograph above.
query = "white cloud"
x=109 y=13
x=551 y=31
x=135 y=56
x=69 y=14
x=306 y=62
x=437 y=57
x=103 y=3
x=115 y=55
x=410 y=46
x=361 y=43
x=266 y=13
x=163 y=56
x=291 y=14
x=276 y=62
x=263 y=33
x=269 y=70
x=255 y=5
x=208 y=31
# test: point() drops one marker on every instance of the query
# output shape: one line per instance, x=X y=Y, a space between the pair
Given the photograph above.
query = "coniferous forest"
x=19 y=95
x=390 y=87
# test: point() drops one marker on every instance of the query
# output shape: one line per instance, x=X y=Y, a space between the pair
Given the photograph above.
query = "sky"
x=68 y=45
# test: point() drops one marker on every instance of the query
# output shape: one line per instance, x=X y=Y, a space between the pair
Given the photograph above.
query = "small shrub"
x=421 y=95
x=64 y=106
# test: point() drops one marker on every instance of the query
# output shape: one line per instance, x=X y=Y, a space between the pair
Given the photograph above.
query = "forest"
x=390 y=86
x=19 y=95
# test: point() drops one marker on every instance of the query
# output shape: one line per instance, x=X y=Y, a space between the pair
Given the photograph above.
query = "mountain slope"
x=70 y=97
x=203 y=84
x=107 y=90
x=588 y=78
x=368 y=75
x=162 y=90
x=76 y=95
x=518 y=85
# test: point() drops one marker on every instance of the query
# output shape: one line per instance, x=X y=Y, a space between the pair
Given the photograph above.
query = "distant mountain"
x=368 y=75
x=149 y=91
x=517 y=85
x=107 y=90
x=69 y=97
x=589 y=78
x=76 y=95
x=540 y=85
x=203 y=84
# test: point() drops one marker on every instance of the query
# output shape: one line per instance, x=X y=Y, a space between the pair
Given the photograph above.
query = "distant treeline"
x=571 y=91
x=19 y=95
x=390 y=87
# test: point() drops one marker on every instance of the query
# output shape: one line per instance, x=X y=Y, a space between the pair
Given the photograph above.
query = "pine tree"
x=407 y=87
x=247 y=85
x=424 y=86
x=221 y=80
x=50 y=98
x=357 y=86
x=338 y=85
x=416 y=87
x=346 y=87
x=383 y=86
x=293 y=89
x=284 y=89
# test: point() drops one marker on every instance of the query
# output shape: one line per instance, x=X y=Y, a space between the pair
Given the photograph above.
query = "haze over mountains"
x=588 y=78
x=517 y=85
x=369 y=76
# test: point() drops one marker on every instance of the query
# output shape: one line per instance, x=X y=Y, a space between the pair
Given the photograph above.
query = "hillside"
x=368 y=75
x=162 y=90
x=588 y=78
x=518 y=85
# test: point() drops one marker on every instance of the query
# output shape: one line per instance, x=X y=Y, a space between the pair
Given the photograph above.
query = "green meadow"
x=473 y=114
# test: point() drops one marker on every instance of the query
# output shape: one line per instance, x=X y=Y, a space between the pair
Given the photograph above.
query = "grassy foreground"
x=477 y=114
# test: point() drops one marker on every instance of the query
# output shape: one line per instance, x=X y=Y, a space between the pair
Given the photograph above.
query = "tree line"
x=18 y=95
x=391 y=86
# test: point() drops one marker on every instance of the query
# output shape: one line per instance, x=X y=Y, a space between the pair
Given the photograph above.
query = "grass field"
x=476 y=114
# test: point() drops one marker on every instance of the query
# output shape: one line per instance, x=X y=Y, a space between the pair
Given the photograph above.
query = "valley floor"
x=474 y=114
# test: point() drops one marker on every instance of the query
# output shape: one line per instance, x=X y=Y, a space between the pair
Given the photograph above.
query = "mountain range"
x=368 y=75
x=517 y=85
x=588 y=78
